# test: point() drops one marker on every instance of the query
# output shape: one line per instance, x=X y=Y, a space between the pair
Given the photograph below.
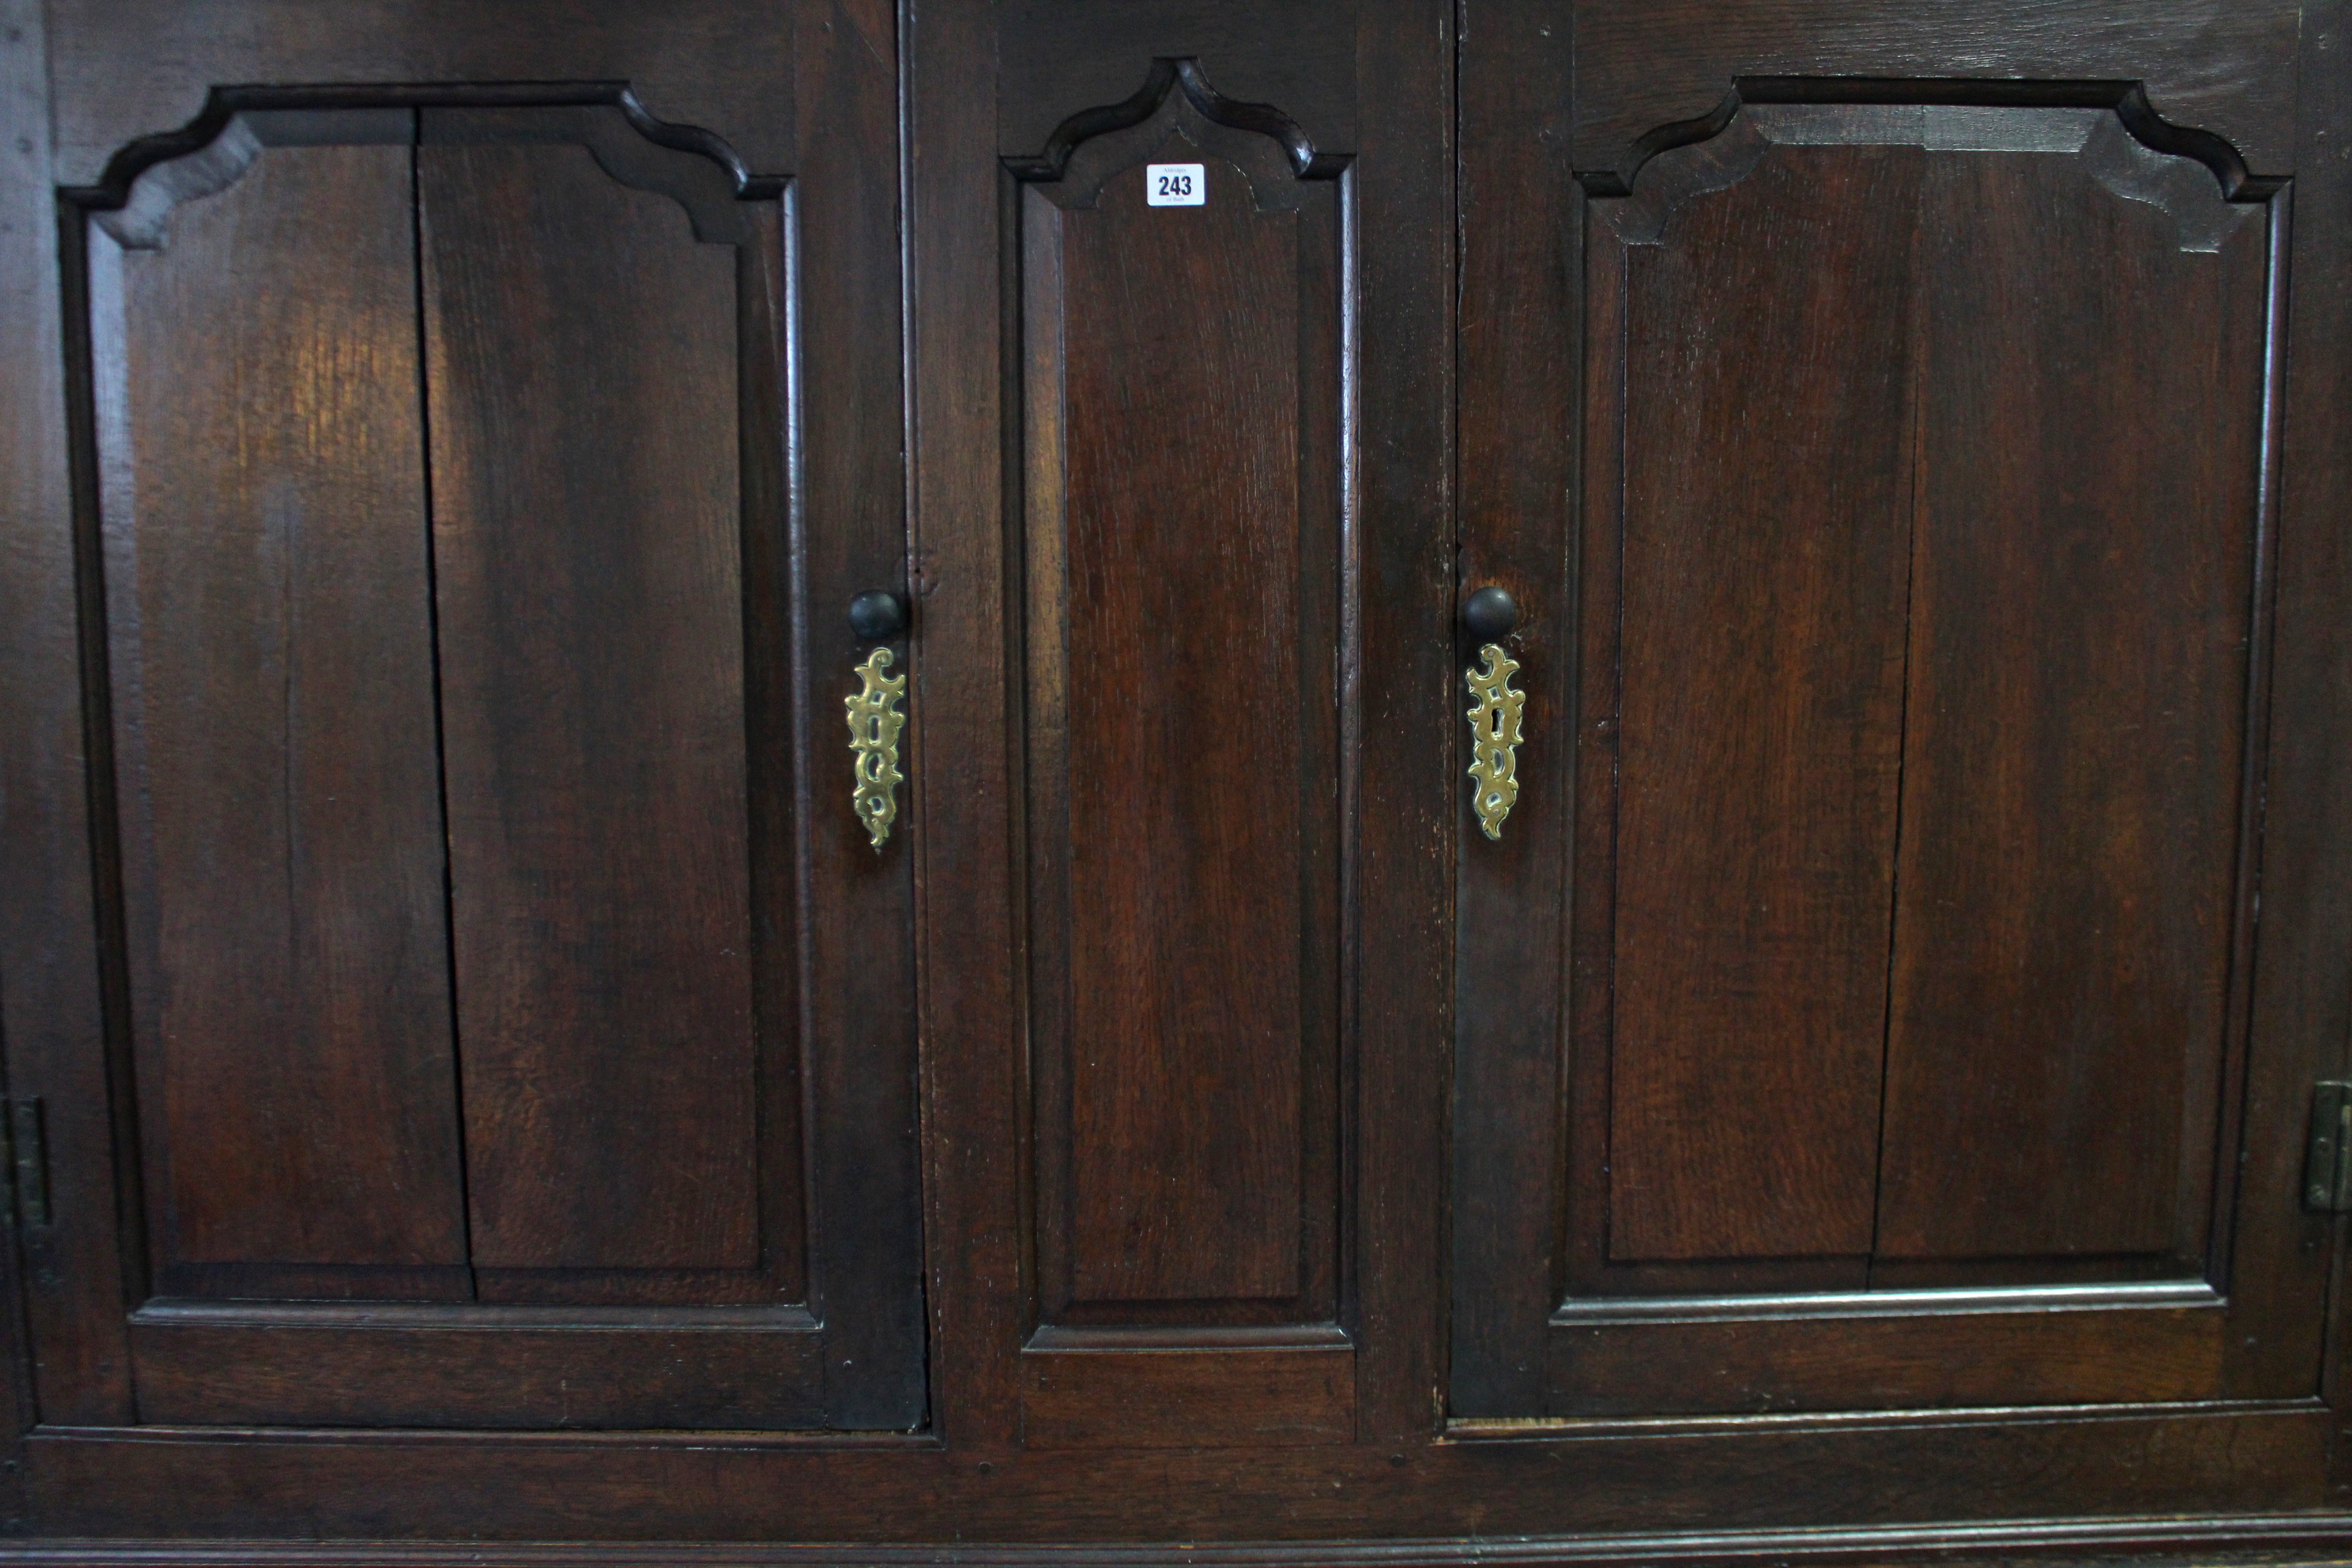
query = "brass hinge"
x=2327 y=1155
x=29 y=1161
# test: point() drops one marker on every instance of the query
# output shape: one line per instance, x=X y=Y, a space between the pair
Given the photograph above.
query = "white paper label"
x=1175 y=184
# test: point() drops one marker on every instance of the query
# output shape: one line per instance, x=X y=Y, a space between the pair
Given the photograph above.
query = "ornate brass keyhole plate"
x=874 y=721
x=1495 y=738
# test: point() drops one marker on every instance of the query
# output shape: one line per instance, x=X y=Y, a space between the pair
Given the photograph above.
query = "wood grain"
x=463 y=1373
x=716 y=64
x=2244 y=1540
x=856 y=918
x=2299 y=1009
x=1187 y=1020
x=1896 y=1361
x=1111 y=1395
x=1641 y=1488
x=1298 y=55
x=56 y=979
x=962 y=362
x=271 y=615
x=582 y=347
x=2050 y=535
x=2077 y=712
x=1768 y=472
x=421 y=1363
x=1522 y=234
x=1402 y=690
x=1185 y=375
x=1184 y=580
x=1945 y=1474
x=2228 y=70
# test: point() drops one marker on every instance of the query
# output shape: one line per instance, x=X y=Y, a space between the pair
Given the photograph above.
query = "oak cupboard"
x=1592 y=803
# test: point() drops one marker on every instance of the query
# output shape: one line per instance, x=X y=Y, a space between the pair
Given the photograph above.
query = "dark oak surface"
x=2082 y=613
x=2304 y=823
x=1190 y=793
x=1097 y=1393
x=1299 y=56
x=714 y=64
x=589 y=575
x=2256 y=1542
x=271 y=612
x=2271 y=1541
x=2063 y=692
x=525 y=555
x=2002 y=1158
x=1522 y=227
x=1185 y=648
x=2223 y=70
x=1898 y=1355
x=1351 y=1429
x=1184 y=607
x=1952 y=818
x=1758 y=636
x=960 y=352
x=857 y=991
x=1698 y=1476
x=51 y=977
x=1184 y=744
x=470 y=1370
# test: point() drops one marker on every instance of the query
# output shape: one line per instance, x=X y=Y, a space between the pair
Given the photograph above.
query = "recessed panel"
x=1186 y=1021
x=1183 y=382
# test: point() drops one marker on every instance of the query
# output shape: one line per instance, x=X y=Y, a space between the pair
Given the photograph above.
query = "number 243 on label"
x=1175 y=184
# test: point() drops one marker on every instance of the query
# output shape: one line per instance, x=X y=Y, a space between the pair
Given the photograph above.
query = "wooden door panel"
x=583 y=346
x=1183 y=379
x=1762 y=600
x=2051 y=659
x=457 y=599
x=1919 y=581
x=270 y=616
x=2050 y=312
x=2078 y=711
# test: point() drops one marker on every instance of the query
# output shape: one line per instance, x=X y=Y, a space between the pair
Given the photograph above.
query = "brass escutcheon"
x=874 y=725
x=1495 y=738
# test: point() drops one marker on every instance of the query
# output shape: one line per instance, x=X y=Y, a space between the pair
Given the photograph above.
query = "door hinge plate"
x=29 y=1161
x=2327 y=1152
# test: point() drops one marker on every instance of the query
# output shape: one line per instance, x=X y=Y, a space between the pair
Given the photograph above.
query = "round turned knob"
x=877 y=616
x=1490 y=614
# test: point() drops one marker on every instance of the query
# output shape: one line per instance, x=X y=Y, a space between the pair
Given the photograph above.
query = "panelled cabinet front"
x=1600 y=747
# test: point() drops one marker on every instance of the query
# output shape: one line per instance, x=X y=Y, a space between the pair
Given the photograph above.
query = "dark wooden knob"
x=1490 y=614
x=877 y=616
